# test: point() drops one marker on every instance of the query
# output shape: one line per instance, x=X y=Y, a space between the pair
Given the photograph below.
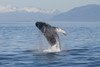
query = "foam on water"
x=54 y=48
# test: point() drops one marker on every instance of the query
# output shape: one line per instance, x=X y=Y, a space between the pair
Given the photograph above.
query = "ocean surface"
x=81 y=45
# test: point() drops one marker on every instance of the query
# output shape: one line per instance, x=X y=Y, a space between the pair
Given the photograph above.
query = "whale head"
x=42 y=26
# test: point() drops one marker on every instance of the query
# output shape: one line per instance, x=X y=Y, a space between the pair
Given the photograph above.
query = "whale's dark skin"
x=49 y=32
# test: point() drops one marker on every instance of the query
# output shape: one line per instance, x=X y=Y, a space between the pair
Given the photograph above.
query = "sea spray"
x=55 y=48
x=41 y=42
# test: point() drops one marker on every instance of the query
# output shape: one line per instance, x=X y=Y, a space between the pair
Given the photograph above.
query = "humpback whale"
x=50 y=33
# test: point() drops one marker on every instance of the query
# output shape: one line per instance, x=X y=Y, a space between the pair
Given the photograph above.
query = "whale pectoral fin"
x=60 y=30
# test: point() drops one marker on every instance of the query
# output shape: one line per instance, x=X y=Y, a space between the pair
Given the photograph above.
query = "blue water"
x=82 y=43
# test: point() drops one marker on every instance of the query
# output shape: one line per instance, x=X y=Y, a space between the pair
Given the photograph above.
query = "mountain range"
x=10 y=13
x=24 y=16
x=83 y=13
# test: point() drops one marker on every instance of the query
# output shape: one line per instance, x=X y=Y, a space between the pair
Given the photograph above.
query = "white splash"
x=55 y=48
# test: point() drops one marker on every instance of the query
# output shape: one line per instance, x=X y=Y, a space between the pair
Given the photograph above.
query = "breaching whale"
x=50 y=33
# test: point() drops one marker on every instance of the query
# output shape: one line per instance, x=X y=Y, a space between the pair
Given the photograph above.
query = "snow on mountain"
x=10 y=8
x=11 y=13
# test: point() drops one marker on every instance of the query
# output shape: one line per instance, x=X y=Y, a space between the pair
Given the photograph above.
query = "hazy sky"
x=62 y=5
